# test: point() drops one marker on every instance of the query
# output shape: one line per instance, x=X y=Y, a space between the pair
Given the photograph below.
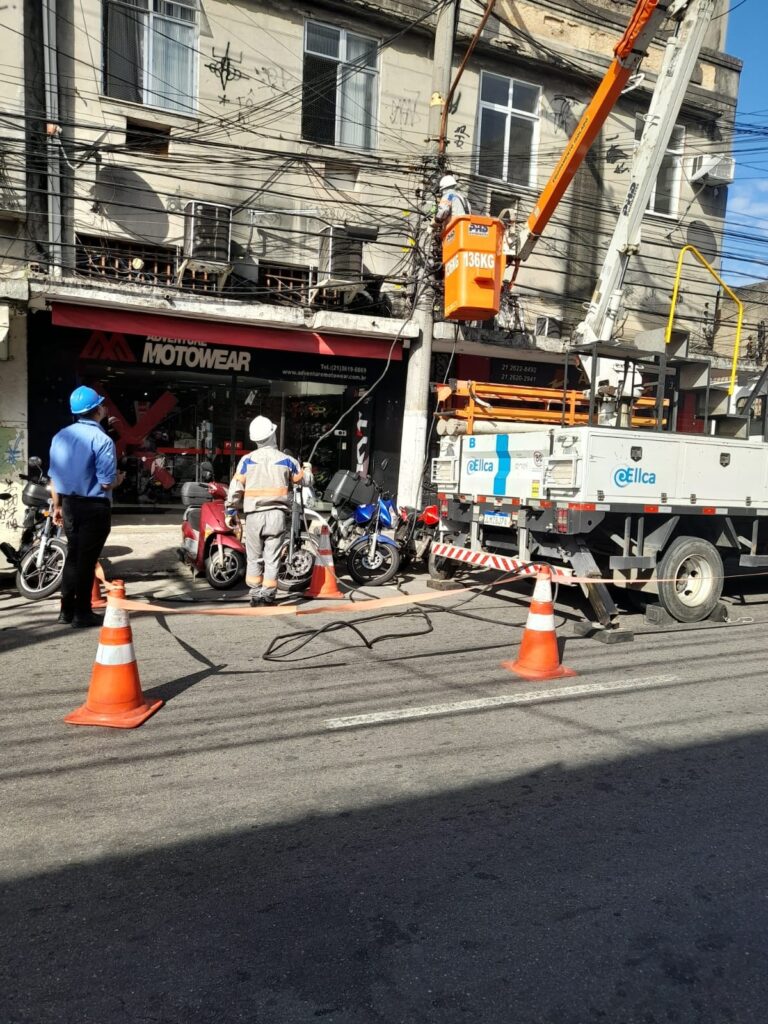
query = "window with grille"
x=149 y=52
x=508 y=117
x=666 y=190
x=339 y=87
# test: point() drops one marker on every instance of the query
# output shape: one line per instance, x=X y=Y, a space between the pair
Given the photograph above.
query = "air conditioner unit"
x=717 y=169
x=340 y=258
x=207 y=231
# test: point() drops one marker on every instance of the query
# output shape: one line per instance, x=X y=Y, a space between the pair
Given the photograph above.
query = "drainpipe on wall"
x=50 y=51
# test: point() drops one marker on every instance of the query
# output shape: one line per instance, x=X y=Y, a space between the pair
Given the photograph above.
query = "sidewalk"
x=144 y=551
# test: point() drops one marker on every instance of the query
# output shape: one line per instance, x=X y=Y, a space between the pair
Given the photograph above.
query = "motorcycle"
x=39 y=559
x=360 y=513
x=415 y=532
x=208 y=544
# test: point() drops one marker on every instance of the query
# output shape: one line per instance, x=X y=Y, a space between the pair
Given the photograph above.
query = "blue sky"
x=748 y=196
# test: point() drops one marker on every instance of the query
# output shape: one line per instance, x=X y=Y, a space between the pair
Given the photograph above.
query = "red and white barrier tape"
x=483 y=560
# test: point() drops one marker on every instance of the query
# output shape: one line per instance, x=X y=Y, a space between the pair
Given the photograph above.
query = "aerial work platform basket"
x=472 y=267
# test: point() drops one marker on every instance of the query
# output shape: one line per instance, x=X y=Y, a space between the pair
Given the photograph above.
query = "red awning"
x=216 y=333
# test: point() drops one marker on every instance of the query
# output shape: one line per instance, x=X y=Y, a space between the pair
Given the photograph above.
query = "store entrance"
x=166 y=423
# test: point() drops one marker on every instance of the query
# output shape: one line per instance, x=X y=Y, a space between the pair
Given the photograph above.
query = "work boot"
x=86 y=620
x=65 y=614
x=262 y=598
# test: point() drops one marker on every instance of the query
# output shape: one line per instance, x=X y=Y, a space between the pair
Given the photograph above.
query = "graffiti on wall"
x=402 y=110
x=11 y=451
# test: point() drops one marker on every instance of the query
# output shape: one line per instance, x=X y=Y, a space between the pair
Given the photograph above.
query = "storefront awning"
x=212 y=332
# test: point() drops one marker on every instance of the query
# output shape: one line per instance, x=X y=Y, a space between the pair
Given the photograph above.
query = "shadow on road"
x=630 y=893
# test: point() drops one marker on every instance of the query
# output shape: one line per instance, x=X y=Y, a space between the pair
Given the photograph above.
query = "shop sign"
x=192 y=356
x=169 y=353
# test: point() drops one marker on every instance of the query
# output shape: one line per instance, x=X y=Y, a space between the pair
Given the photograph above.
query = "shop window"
x=508 y=119
x=666 y=190
x=339 y=87
x=149 y=52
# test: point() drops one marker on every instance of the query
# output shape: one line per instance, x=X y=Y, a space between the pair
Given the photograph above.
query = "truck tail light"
x=561 y=520
x=442 y=502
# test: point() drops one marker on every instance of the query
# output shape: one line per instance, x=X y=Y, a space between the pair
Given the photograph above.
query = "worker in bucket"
x=452 y=203
x=261 y=489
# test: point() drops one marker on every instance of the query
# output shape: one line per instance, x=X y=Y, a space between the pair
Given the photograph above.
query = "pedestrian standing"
x=83 y=472
x=261 y=489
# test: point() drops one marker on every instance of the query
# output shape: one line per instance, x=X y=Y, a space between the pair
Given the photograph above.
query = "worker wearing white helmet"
x=452 y=202
x=261 y=489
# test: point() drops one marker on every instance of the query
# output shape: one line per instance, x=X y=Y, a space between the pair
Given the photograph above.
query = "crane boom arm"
x=628 y=53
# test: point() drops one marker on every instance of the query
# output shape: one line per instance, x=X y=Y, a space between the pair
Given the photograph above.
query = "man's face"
x=99 y=413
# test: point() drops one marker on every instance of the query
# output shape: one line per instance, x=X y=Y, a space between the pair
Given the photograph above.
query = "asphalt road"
x=252 y=855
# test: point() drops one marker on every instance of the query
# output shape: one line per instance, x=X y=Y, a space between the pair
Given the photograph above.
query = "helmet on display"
x=261 y=429
x=83 y=400
x=448 y=181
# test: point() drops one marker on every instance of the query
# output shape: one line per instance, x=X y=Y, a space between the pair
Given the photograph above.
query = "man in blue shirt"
x=83 y=471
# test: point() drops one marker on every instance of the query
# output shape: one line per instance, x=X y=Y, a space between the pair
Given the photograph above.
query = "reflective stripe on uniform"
x=266 y=492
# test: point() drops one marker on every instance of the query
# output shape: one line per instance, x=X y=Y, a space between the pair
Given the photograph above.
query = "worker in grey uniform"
x=262 y=490
x=452 y=203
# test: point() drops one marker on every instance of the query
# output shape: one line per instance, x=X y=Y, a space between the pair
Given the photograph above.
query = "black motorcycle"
x=39 y=558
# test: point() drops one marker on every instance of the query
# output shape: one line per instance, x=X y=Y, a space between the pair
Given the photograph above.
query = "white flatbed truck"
x=652 y=509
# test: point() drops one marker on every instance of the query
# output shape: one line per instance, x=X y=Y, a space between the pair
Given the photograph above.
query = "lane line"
x=504 y=700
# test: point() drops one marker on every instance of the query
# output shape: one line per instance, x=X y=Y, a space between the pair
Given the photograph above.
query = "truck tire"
x=690 y=575
x=441 y=568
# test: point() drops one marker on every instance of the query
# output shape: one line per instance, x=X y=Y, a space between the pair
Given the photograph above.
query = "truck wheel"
x=690 y=577
x=441 y=568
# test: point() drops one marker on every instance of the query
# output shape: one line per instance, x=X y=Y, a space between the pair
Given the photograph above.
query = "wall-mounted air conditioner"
x=340 y=257
x=714 y=170
x=207 y=232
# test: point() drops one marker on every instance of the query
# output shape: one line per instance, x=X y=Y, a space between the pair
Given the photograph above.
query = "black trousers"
x=87 y=523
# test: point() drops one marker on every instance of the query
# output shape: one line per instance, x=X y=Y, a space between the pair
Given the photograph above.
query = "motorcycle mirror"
x=35 y=460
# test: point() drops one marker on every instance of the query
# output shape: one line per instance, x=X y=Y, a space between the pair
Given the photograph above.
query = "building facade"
x=211 y=210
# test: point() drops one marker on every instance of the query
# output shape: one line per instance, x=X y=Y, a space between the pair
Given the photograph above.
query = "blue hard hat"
x=84 y=400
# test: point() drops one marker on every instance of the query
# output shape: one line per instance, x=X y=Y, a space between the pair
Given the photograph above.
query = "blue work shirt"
x=83 y=458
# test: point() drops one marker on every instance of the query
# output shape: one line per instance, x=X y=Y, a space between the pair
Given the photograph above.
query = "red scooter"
x=208 y=545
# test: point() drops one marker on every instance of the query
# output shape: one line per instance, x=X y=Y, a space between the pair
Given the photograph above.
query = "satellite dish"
x=129 y=201
x=701 y=237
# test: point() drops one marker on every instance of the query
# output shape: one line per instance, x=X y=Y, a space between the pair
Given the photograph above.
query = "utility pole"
x=415 y=420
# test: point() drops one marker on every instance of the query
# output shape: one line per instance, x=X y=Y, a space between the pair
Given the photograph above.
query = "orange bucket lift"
x=472 y=267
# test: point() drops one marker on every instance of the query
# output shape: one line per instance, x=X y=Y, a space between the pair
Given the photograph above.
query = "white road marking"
x=504 y=700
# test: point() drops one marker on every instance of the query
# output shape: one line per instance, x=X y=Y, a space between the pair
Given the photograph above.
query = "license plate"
x=497 y=519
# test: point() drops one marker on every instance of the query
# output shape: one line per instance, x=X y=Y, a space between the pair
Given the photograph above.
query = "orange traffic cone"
x=324 y=583
x=538 y=657
x=114 y=695
x=98 y=600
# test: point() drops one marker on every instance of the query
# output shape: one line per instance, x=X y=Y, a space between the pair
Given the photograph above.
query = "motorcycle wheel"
x=225 y=568
x=440 y=568
x=34 y=583
x=294 y=576
x=376 y=571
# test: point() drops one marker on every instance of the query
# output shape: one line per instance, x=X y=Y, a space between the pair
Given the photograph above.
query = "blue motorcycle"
x=360 y=514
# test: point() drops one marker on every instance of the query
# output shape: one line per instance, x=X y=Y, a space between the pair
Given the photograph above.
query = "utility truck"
x=600 y=476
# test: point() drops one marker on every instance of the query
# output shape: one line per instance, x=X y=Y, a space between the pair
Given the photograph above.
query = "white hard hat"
x=448 y=181
x=261 y=429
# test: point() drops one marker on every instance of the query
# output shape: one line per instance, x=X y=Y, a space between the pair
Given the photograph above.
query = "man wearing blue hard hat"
x=83 y=472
